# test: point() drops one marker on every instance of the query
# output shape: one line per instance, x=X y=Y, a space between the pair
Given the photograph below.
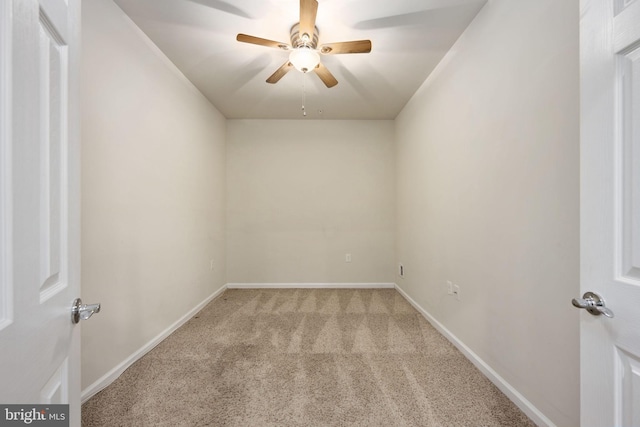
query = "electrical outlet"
x=347 y=258
x=456 y=292
x=449 y=287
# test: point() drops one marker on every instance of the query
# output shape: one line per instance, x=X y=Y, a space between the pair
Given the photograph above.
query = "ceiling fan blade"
x=325 y=75
x=280 y=72
x=308 y=12
x=262 y=42
x=356 y=46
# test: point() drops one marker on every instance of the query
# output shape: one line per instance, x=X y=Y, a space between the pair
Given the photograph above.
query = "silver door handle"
x=83 y=311
x=593 y=303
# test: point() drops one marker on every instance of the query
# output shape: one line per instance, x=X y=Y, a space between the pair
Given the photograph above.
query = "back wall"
x=303 y=194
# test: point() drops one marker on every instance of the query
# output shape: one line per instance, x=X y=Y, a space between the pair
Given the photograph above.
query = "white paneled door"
x=610 y=211
x=39 y=202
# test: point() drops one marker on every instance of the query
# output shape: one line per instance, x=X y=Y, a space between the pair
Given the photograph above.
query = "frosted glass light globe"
x=304 y=59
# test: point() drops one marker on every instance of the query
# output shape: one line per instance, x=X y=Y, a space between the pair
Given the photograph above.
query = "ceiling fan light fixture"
x=304 y=54
x=304 y=59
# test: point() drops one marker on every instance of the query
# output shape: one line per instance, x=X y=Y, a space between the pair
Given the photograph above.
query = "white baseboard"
x=519 y=400
x=310 y=285
x=113 y=374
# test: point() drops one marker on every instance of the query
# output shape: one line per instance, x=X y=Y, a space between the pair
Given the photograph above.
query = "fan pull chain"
x=304 y=94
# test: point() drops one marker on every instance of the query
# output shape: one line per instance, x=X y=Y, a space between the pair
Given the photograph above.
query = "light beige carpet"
x=304 y=357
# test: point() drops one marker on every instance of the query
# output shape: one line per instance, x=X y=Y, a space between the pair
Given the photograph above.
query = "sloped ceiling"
x=409 y=39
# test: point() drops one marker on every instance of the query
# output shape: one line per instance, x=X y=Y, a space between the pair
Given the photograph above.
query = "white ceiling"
x=409 y=38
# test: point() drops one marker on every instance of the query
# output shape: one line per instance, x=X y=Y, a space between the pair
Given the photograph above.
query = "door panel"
x=53 y=149
x=56 y=390
x=39 y=196
x=628 y=376
x=628 y=64
x=625 y=286
x=610 y=210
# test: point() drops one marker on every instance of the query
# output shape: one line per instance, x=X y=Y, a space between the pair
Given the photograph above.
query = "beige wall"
x=152 y=191
x=488 y=186
x=302 y=194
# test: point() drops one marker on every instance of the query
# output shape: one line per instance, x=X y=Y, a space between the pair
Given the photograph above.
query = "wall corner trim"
x=518 y=399
x=114 y=373
x=310 y=285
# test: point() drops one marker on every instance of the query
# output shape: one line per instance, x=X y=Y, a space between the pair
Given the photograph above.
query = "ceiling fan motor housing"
x=302 y=40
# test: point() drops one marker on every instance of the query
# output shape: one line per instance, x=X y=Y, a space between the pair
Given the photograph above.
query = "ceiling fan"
x=304 y=53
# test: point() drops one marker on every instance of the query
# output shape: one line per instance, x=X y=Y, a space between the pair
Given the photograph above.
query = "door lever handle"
x=81 y=311
x=593 y=303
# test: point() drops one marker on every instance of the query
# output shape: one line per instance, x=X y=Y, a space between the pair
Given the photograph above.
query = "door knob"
x=593 y=303
x=83 y=311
